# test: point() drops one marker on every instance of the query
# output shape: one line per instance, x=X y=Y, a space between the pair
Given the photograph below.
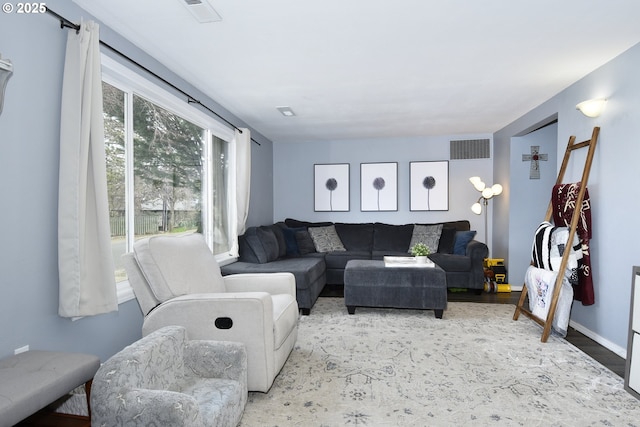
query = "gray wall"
x=528 y=197
x=261 y=201
x=612 y=187
x=29 y=135
x=293 y=178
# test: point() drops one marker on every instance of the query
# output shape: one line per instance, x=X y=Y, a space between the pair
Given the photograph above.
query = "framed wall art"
x=378 y=187
x=331 y=187
x=429 y=186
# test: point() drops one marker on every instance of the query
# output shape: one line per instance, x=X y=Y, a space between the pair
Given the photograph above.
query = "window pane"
x=168 y=163
x=157 y=163
x=220 y=155
x=113 y=113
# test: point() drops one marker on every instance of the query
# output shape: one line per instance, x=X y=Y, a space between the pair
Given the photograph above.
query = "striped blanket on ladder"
x=548 y=248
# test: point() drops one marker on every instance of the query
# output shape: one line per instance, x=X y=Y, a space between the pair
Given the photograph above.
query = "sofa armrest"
x=145 y=407
x=198 y=314
x=247 y=317
x=216 y=359
x=273 y=283
x=477 y=251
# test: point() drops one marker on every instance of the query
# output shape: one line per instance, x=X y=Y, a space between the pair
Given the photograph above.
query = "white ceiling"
x=378 y=68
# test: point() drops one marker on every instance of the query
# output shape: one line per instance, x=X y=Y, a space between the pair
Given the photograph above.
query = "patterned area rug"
x=476 y=366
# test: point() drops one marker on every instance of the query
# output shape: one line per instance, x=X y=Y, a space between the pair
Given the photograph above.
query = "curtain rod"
x=65 y=23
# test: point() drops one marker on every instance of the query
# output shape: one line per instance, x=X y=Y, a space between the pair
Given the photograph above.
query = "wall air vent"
x=470 y=149
x=202 y=11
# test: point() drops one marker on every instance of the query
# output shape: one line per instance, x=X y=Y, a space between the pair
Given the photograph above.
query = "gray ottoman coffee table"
x=368 y=283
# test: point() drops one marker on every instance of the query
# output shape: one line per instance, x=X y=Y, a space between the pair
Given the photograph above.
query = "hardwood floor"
x=603 y=355
x=46 y=418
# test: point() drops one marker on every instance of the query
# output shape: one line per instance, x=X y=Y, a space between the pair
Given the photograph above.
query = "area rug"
x=476 y=366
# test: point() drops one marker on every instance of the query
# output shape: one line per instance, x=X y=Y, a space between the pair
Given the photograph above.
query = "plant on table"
x=420 y=249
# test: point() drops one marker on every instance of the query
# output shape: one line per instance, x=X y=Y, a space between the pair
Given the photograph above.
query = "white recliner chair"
x=177 y=281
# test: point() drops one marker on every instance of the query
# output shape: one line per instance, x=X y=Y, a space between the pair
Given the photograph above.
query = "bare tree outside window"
x=168 y=159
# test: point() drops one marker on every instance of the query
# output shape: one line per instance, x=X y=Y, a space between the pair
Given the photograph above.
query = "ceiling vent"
x=202 y=11
x=470 y=149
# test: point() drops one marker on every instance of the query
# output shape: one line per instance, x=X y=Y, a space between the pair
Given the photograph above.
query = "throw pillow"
x=427 y=234
x=326 y=239
x=305 y=243
x=447 y=240
x=462 y=240
x=291 y=243
x=277 y=231
x=269 y=243
x=263 y=243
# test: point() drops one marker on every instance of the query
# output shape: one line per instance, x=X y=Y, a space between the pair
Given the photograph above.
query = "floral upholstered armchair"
x=166 y=380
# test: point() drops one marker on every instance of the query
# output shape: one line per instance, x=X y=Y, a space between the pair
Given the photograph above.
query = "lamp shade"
x=477 y=183
x=476 y=208
x=592 y=107
x=487 y=193
x=497 y=189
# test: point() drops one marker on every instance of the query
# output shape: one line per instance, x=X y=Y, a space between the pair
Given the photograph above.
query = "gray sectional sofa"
x=317 y=252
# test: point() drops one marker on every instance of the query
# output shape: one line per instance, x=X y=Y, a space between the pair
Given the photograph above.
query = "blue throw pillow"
x=462 y=240
x=290 y=240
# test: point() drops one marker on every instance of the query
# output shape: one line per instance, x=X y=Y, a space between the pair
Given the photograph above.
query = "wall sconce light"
x=592 y=107
x=486 y=194
x=6 y=70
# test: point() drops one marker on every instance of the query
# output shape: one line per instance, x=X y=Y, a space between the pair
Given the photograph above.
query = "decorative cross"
x=534 y=158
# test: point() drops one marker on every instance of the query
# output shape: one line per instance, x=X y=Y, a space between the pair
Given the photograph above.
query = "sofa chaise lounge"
x=316 y=253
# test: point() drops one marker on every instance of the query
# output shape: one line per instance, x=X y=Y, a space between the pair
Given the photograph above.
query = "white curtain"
x=243 y=177
x=85 y=261
x=242 y=140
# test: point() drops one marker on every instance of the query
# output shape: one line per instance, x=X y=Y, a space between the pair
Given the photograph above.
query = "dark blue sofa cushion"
x=392 y=238
x=447 y=240
x=450 y=262
x=462 y=240
x=338 y=260
x=282 y=245
x=291 y=243
x=294 y=223
x=355 y=237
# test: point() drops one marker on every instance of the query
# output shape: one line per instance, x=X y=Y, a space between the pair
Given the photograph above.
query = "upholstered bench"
x=368 y=283
x=31 y=380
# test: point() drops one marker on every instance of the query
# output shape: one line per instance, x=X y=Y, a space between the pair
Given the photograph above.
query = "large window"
x=168 y=166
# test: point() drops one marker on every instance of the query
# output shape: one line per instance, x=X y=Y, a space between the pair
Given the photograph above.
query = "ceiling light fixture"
x=202 y=11
x=286 y=111
x=592 y=107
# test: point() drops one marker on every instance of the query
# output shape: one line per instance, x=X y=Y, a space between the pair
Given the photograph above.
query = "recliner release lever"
x=223 y=323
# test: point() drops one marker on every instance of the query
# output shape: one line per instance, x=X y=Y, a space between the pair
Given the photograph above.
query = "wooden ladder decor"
x=571 y=146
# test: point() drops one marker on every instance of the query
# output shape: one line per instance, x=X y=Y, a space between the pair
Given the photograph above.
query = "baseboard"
x=620 y=351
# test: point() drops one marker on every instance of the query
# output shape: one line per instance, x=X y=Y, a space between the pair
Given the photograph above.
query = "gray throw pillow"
x=427 y=234
x=326 y=239
x=269 y=243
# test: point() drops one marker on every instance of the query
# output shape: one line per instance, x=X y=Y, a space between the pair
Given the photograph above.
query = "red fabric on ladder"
x=563 y=200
